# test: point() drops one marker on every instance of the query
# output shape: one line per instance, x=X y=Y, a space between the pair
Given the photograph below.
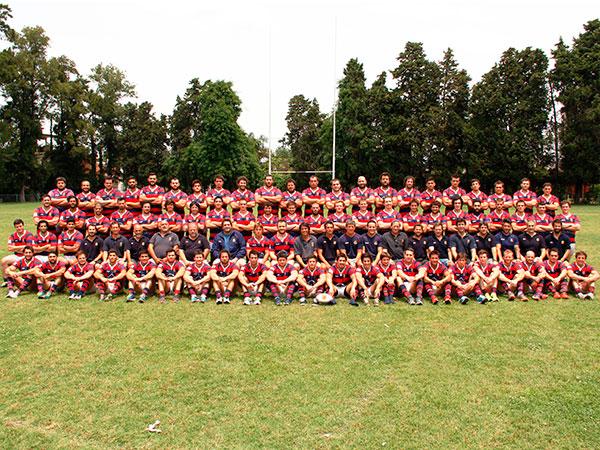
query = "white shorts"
x=340 y=291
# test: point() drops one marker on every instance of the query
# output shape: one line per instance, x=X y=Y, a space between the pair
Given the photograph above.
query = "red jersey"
x=246 y=194
x=282 y=243
x=293 y=219
x=544 y=220
x=411 y=220
x=273 y=191
x=86 y=197
x=281 y=273
x=21 y=240
x=170 y=269
x=152 y=193
x=551 y=199
x=583 y=271
x=314 y=194
x=481 y=196
x=261 y=246
x=98 y=221
x=42 y=240
x=245 y=219
x=113 y=194
x=141 y=270
x=386 y=270
x=526 y=196
x=511 y=270
x=496 y=219
x=534 y=268
x=199 y=218
x=554 y=270
x=198 y=198
x=122 y=218
x=452 y=193
x=388 y=216
x=111 y=270
x=69 y=239
x=311 y=276
x=361 y=194
x=213 y=193
x=77 y=270
x=270 y=220
x=47 y=268
x=370 y=276
x=287 y=196
x=176 y=196
x=172 y=218
x=24 y=264
x=145 y=219
x=436 y=273
x=315 y=221
x=132 y=197
x=463 y=275
x=56 y=194
x=75 y=215
x=409 y=269
x=407 y=195
x=341 y=277
x=431 y=219
x=335 y=196
x=252 y=274
x=362 y=218
x=452 y=216
x=197 y=272
x=520 y=220
x=383 y=193
x=218 y=215
x=487 y=269
x=223 y=270
x=46 y=214
x=429 y=197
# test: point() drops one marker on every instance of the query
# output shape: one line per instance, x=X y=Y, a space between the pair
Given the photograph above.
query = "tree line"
x=421 y=118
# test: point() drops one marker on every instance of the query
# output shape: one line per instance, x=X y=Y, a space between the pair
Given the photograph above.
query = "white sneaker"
x=203 y=298
x=256 y=300
x=194 y=299
x=247 y=301
x=9 y=294
x=14 y=294
x=589 y=296
x=581 y=295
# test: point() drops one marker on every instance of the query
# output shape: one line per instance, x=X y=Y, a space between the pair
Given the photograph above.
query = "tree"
x=142 y=140
x=5 y=15
x=576 y=77
x=510 y=110
x=185 y=121
x=109 y=89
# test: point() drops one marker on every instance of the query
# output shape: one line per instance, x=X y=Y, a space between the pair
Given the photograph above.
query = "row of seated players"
x=107 y=198
x=407 y=278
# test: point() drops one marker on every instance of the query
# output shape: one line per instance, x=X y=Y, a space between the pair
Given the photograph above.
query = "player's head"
x=557 y=226
x=363 y=204
x=541 y=208
x=304 y=229
x=121 y=203
x=499 y=203
x=194 y=207
x=174 y=183
x=282 y=257
x=198 y=257
x=169 y=205
x=482 y=256
x=580 y=257
x=434 y=257
x=171 y=255
x=258 y=229
x=499 y=187
x=281 y=226
x=520 y=205
x=438 y=229
x=461 y=225
x=192 y=230
x=506 y=226
x=565 y=206
x=196 y=186
x=290 y=185
x=484 y=228
x=553 y=255
x=19 y=225
x=42 y=226
x=224 y=256
x=268 y=208
x=457 y=203
x=361 y=182
x=508 y=255
x=384 y=179
x=388 y=203
x=454 y=181
x=313 y=181
x=219 y=180
x=112 y=256
x=312 y=262
x=336 y=185
x=218 y=202
x=46 y=200
x=243 y=204
x=315 y=209
x=531 y=226
x=70 y=224
x=414 y=206
x=28 y=251
x=52 y=257
x=98 y=208
x=366 y=259
x=385 y=258
x=371 y=227
x=435 y=207
x=253 y=257
x=525 y=184
x=146 y=208
x=409 y=182
x=227 y=226
x=341 y=260
x=461 y=259
x=85 y=186
x=291 y=207
x=108 y=182
x=477 y=205
x=242 y=182
x=475 y=184
x=73 y=201
x=269 y=181
x=430 y=183
x=152 y=178
x=81 y=258
x=396 y=226
x=163 y=225
x=409 y=254
x=329 y=227
x=61 y=183
x=529 y=256
x=131 y=182
x=144 y=257
x=547 y=188
x=339 y=207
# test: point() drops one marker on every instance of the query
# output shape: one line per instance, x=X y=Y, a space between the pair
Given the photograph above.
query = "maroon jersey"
x=172 y=218
x=42 y=240
x=481 y=196
x=252 y=274
x=145 y=219
x=335 y=196
x=407 y=195
x=218 y=215
x=246 y=194
x=111 y=270
x=273 y=191
x=583 y=271
x=453 y=194
x=132 y=197
x=386 y=270
x=287 y=196
x=98 y=221
x=314 y=194
x=361 y=194
x=283 y=243
x=568 y=219
x=245 y=219
x=24 y=264
x=281 y=273
x=542 y=220
x=47 y=268
x=487 y=269
x=69 y=239
x=452 y=216
x=496 y=219
x=311 y=276
x=543 y=200
x=113 y=194
x=77 y=270
x=370 y=276
x=199 y=218
x=410 y=269
x=477 y=219
x=141 y=270
x=21 y=240
x=388 y=216
x=170 y=269
x=176 y=196
x=198 y=198
x=86 y=197
x=197 y=272
x=46 y=214
x=213 y=193
x=463 y=275
x=520 y=220
x=436 y=273
x=152 y=193
x=57 y=194
x=494 y=198
x=341 y=277
x=511 y=270
x=554 y=270
x=526 y=196
x=534 y=268
x=429 y=197
x=260 y=246
x=384 y=193
x=270 y=220
x=75 y=215
x=315 y=221
x=293 y=219
x=431 y=220
x=411 y=220
x=223 y=270
x=362 y=218
x=122 y=218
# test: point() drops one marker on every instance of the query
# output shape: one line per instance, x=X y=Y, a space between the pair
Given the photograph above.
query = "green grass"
x=94 y=375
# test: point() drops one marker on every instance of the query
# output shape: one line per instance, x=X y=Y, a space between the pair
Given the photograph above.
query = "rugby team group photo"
x=367 y=245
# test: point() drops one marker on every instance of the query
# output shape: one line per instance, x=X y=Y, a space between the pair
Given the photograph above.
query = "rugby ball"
x=323 y=298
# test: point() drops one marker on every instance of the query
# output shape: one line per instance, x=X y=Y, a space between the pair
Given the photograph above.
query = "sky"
x=273 y=50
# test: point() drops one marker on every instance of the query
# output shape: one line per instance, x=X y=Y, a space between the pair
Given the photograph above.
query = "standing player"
x=499 y=214
x=387 y=215
x=44 y=242
x=132 y=197
x=583 y=277
x=362 y=216
x=198 y=197
x=153 y=193
x=499 y=194
x=60 y=194
x=433 y=217
x=123 y=217
x=529 y=197
x=435 y=277
x=407 y=194
x=86 y=199
x=22 y=273
x=50 y=275
x=384 y=191
x=315 y=220
x=313 y=194
x=252 y=279
x=410 y=278
x=488 y=272
x=368 y=280
x=570 y=222
x=195 y=217
x=47 y=212
x=140 y=277
x=292 y=219
x=455 y=214
x=268 y=194
x=311 y=280
x=336 y=195
x=147 y=220
x=452 y=193
x=242 y=193
x=388 y=271
x=107 y=197
x=520 y=217
x=339 y=218
x=476 y=217
x=511 y=276
x=476 y=194
x=69 y=242
x=412 y=218
x=176 y=195
x=282 y=277
x=216 y=216
x=283 y=242
x=291 y=195
x=556 y=276
x=109 y=275
x=223 y=274
x=463 y=281
x=169 y=275
x=197 y=277
x=543 y=221
x=429 y=195
x=341 y=280
x=243 y=220
x=361 y=192
x=79 y=277
x=218 y=192
x=100 y=220
x=73 y=212
x=268 y=220
x=550 y=201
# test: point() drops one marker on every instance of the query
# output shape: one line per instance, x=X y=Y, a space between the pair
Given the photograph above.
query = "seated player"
x=583 y=276
x=534 y=275
x=268 y=194
x=147 y=220
x=556 y=281
x=464 y=281
x=511 y=276
x=410 y=278
x=341 y=280
x=16 y=243
x=21 y=274
x=252 y=278
x=369 y=280
x=123 y=217
x=50 y=275
x=283 y=241
x=79 y=277
x=140 y=277
x=412 y=217
x=169 y=276
x=282 y=279
x=197 y=278
x=44 y=242
x=387 y=215
x=216 y=216
x=388 y=269
x=109 y=276
x=223 y=275
x=488 y=272
x=311 y=280
x=435 y=277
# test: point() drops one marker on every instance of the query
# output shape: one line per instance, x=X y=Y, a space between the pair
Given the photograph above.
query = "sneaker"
x=142 y=298
x=47 y=295
x=411 y=300
x=71 y=296
x=494 y=297
x=544 y=296
x=482 y=299
x=523 y=297
x=161 y=299
x=226 y=301
x=219 y=301
x=388 y=300
x=277 y=301
x=257 y=300
x=434 y=300
x=108 y=297
x=176 y=298
x=102 y=297
x=353 y=303
x=589 y=296
x=288 y=301
x=4 y=284
x=419 y=301
x=511 y=296
x=375 y=302
x=581 y=295
x=41 y=294
x=14 y=294
x=488 y=296
x=447 y=300
x=130 y=298
x=535 y=297
x=77 y=297
x=9 y=294
x=247 y=301
x=302 y=301
x=194 y=299
x=464 y=300
x=203 y=298
x=564 y=295
x=556 y=295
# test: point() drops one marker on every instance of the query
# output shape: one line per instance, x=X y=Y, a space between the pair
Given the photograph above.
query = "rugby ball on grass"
x=323 y=298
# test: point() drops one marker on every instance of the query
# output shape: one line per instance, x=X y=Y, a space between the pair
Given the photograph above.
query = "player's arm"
x=120 y=275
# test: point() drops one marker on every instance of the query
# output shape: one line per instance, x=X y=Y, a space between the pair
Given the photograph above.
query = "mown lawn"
x=94 y=375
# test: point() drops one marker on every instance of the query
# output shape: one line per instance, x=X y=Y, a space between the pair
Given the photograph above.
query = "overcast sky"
x=161 y=45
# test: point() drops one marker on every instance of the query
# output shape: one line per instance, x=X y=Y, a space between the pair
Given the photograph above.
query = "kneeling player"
x=197 y=278
x=488 y=272
x=224 y=274
x=50 y=275
x=311 y=280
x=556 y=276
x=341 y=280
x=369 y=280
x=511 y=276
x=388 y=269
x=464 y=280
x=109 y=276
x=282 y=278
x=169 y=276
x=410 y=278
x=141 y=277
x=534 y=276
x=21 y=274
x=252 y=278
x=583 y=276
x=435 y=276
x=79 y=277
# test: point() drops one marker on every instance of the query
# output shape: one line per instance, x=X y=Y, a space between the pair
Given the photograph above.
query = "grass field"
x=94 y=375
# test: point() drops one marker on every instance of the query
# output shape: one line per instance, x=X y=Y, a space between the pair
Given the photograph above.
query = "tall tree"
x=185 y=121
x=5 y=14
x=576 y=76
x=109 y=89
x=509 y=117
